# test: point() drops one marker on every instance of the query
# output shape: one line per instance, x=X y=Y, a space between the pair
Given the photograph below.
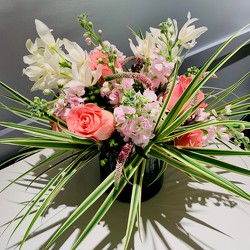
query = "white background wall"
x=222 y=18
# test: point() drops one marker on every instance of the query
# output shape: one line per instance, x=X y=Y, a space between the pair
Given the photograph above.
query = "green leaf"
x=190 y=166
x=46 y=133
x=226 y=92
x=19 y=156
x=233 y=102
x=23 y=113
x=90 y=200
x=202 y=125
x=169 y=129
x=211 y=161
x=78 y=163
x=216 y=152
x=158 y=126
x=108 y=201
x=54 y=156
x=44 y=143
x=129 y=171
x=135 y=201
x=19 y=98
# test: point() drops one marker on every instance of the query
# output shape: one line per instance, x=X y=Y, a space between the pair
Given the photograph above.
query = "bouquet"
x=126 y=111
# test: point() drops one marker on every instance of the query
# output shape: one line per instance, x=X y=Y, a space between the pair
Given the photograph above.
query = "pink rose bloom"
x=179 y=89
x=98 y=57
x=192 y=139
x=91 y=121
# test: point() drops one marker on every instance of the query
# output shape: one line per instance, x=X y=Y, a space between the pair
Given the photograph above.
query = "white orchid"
x=85 y=75
x=146 y=47
x=45 y=59
x=188 y=34
x=76 y=53
x=45 y=71
x=46 y=37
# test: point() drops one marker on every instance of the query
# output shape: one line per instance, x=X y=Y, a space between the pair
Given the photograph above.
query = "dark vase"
x=152 y=182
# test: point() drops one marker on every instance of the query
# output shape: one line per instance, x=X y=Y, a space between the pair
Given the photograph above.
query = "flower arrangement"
x=101 y=102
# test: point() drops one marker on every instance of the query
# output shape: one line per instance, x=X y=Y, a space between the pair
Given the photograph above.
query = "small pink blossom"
x=127 y=84
x=138 y=130
x=61 y=109
x=74 y=92
x=209 y=136
x=105 y=89
x=201 y=115
x=115 y=96
x=159 y=71
x=88 y=41
x=151 y=110
x=150 y=95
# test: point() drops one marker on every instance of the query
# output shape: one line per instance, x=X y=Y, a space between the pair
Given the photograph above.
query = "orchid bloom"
x=188 y=34
x=85 y=75
x=76 y=53
x=145 y=48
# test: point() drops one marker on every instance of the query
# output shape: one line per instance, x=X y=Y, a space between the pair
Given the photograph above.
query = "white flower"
x=85 y=75
x=76 y=53
x=145 y=48
x=188 y=34
x=45 y=33
x=45 y=72
x=44 y=60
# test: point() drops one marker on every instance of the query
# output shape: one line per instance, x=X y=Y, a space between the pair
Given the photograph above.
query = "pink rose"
x=192 y=139
x=91 y=121
x=179 y=89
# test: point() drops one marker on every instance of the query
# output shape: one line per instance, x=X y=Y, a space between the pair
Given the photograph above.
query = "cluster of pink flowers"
x=136 y=115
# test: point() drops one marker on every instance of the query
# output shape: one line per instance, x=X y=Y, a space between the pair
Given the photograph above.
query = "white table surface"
x=183 y=215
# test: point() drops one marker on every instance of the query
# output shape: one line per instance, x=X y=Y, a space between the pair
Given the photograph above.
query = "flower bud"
x=90 y=24
x=48 y=91
x=239 y=135
x=92 y=98
x=86 y=34
x=88 y=41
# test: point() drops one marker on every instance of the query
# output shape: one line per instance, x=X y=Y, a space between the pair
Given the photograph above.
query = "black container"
x=150 y=186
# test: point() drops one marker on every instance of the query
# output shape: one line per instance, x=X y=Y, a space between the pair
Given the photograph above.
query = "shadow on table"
x=167 y=209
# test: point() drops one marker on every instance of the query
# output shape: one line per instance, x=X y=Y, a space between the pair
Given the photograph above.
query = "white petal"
x=44 y=32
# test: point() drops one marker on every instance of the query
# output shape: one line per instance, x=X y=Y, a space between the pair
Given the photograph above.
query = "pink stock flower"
x=121 y=111
x=88 y=41
x=179 y=89
x=138 y=130
x=74 y=91
x=192 y=139
x=115 y=96
x=91 y=121
x=159 y=71
x=201 y=115
x=127 y=84
x=61 y=109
